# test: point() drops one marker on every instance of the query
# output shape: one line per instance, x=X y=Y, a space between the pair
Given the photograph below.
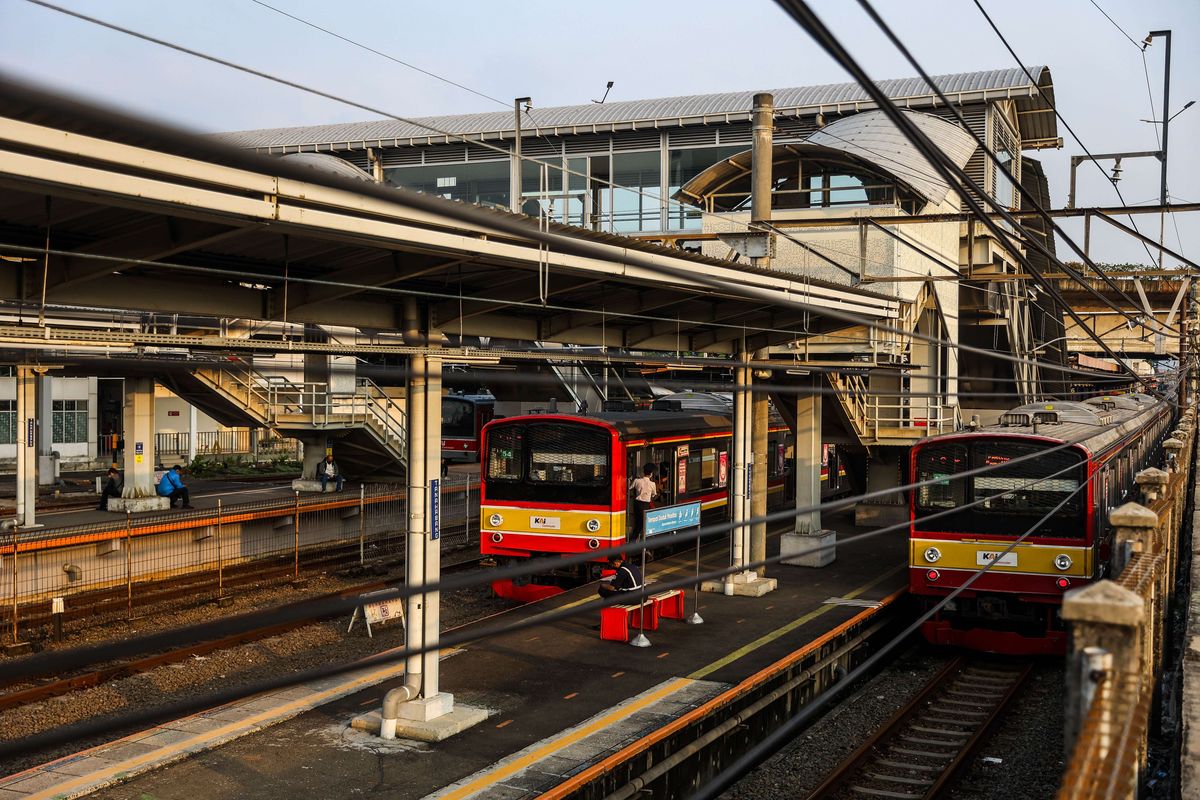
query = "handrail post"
x=16 y=638
x=220 y=558
x=362 y=509
x=296 y=528
x=129 y=560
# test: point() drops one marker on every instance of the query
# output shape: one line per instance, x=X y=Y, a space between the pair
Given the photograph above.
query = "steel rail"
x=869 y=763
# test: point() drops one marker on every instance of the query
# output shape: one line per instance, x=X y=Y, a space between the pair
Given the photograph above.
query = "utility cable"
x=571 y=245
x=779 y=737
x=1063 y=120
x=946 y=167
x=171 y=710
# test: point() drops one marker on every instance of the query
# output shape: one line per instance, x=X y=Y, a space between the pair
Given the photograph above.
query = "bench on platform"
x=617 y=621
x=669 y=604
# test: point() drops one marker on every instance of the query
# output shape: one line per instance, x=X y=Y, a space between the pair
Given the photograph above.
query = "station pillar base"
x=435 y=729
x=136 y=504
x=818 y=549
x=744 y=584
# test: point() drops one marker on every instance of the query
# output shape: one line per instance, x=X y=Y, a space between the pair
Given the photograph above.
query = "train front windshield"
x=549 y=462
x=1008 y=499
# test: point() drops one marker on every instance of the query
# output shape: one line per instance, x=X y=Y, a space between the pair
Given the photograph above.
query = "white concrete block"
x=306 y=485
x=424 y=709
x=808 y=549
x=744 y=585
x=136 y=504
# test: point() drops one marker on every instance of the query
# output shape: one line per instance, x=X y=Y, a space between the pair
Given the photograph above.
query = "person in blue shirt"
x=171 y=486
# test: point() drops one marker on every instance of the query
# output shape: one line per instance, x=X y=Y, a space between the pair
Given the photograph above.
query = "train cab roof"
x=1096 y=423
x=631 y=424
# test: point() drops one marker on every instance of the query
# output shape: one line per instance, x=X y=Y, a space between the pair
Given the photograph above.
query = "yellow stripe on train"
x=1037 y=559
x=555 y=522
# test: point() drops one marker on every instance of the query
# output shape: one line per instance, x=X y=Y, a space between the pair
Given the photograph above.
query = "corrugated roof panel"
x=874 y=138
x=666 y=112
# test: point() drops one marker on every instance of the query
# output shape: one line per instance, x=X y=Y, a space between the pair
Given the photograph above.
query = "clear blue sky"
x=563 y=53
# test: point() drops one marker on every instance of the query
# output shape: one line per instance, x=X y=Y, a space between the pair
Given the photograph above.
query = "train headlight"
x=932 y=554
x=593 y=525
x=1062 y=583
x=495 y=520
x=932 y=575
x=1062 y=562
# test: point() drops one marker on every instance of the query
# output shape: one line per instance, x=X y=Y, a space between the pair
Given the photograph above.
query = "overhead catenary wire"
x=930 y=153
x=433 y=128
x=948 y=169
x=1063 y=120
x=58 y=661
x=777 y=738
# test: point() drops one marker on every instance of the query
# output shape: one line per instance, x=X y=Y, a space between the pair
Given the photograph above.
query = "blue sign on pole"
x=672 y=518
x=29 y=429
x=435 y=509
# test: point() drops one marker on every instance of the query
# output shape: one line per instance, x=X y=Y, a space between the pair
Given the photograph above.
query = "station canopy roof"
x=869 y=139
x=1038 y=126
x=100 y=210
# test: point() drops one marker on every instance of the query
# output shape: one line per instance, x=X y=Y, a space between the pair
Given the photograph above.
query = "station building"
x=677 y=170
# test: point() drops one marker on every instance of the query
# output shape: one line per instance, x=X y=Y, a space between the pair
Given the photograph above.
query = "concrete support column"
x=809 y=545
x=808 y=462
x=45 y=429
x=739 y=488
x=433 y=547
x=139 y=438
x=414 y=562
x=746 y=582
x=191 y=453
x=758 y=484
x=27 y=449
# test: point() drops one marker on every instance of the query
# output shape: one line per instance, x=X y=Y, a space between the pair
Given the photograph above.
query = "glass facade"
x=682 y=166
x=586 y=198
x=70 y=421
x=482 y=182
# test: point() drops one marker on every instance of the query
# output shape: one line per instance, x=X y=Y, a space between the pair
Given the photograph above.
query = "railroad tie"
x=883 y=793
x=879 y=776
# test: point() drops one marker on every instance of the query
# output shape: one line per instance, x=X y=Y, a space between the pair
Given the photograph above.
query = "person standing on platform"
x=328 y=471
x=628 y=577
x=171 y=486
x=112 y=488
x=645 y=489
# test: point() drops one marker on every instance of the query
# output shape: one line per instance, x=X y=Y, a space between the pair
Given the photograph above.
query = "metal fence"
x=112 y=566
x=1118 y=633
x=231 y=441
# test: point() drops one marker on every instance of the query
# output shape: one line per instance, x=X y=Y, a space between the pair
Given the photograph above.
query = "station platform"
x=559 y=700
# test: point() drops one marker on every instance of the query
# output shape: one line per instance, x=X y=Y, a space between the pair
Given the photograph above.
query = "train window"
x=937 y=463
x=702 y=468
x=504 y=454
x=571 y=455
x=458 y=418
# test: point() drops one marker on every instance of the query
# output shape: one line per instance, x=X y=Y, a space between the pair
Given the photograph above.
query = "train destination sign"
x=672 y=518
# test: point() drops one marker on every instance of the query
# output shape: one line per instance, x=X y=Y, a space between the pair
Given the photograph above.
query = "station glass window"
x=483 y=182
x=8 y=421
x=637 y=208
x=69 y=421
x=683 y=165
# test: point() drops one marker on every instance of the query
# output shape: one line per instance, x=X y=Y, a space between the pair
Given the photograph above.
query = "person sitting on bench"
x=171 y=486
x=627 y=580
x=112 y=488
x=328 y=471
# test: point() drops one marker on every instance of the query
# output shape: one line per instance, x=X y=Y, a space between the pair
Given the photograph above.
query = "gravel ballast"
x=313 y=645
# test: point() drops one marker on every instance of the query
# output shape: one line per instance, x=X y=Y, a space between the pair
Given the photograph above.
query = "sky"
x=563 y=54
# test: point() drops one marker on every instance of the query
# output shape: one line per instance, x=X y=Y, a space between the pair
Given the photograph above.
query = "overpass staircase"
x=871 y=393
x=366 y=427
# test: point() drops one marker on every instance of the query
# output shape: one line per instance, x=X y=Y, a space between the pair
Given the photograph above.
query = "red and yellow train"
x=1090 y=450
x=559 y=484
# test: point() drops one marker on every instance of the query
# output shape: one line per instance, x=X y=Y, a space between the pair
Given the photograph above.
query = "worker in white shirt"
x=645 y=490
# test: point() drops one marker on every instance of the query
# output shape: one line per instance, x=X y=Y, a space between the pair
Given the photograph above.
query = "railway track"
x=58 y=686
x=914 y=755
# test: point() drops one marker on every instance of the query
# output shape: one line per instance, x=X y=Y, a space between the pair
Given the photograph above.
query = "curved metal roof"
x=1037 y=121
x=874 y=138
x=870 y=139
